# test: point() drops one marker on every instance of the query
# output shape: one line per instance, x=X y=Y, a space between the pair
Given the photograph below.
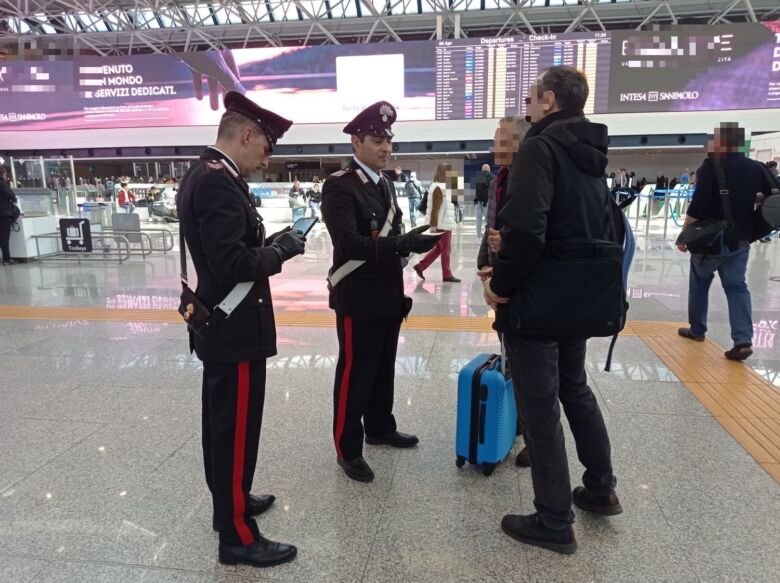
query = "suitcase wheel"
x=460 y=461
x=487 y=469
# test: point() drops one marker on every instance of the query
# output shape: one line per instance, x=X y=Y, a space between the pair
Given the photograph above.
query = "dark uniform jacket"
x=7 y=199
x=225 y=237
x=353 y=208
x=550 y=195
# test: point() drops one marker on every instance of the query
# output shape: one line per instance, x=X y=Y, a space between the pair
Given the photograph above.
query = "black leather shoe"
x=257 y=505
x=523 y=460
x=394 y=439
x=357 y=469
x=419 y=271
x=261 y=553
x=530 y=530
x=608 y=505
x=740 y=352
x=452 y=279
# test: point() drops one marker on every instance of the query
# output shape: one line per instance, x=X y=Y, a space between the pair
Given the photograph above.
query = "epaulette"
x=215 y=165
x=341 y=173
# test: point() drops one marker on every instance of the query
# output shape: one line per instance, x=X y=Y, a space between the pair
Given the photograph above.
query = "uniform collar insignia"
x=362 y=176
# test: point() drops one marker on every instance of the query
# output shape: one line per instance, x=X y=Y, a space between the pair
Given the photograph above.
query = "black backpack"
x=577 y=288
x=481 y=190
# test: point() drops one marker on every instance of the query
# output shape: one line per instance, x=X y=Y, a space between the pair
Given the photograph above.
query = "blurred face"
x=537 y=107
x=256 y=151
x=506 y=141
x=373 y=151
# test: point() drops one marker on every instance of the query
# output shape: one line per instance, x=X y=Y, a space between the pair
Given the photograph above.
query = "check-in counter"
x=23 y=243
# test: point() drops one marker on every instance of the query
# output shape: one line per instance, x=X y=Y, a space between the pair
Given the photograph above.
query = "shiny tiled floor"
x=101 y=479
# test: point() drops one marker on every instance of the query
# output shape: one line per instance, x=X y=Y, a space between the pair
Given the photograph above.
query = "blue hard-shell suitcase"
x=487 y=415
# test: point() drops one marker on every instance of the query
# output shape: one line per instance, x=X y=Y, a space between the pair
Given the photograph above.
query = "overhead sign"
x=682 y=68
x=75 y=235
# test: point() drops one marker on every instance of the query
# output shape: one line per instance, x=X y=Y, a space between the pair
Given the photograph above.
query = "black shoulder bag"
x=705 y=237
x=767 y=217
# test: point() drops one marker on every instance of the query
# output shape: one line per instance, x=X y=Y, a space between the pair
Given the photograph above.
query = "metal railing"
x=101 y=252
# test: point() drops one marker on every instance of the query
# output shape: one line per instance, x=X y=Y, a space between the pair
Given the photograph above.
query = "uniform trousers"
x=233 y=397
x=5 y=237
x=365 y=381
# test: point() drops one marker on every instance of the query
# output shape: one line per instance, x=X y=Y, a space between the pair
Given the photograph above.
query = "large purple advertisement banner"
x=696 y=68
x=686 y=68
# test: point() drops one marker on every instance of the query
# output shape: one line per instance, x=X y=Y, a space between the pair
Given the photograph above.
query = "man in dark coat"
x=555 y=192
x=7 y=209
x=361 y=213
x=228 y=244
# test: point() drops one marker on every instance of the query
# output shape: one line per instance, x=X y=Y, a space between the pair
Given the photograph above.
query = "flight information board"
x=590 y=52
x=683 y=68
x=478 y=79
x=491 y=77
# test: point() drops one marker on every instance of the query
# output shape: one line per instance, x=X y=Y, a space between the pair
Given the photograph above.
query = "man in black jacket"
x=226 y=238
x=366 y=285
x=555 y=193
x=745 y=179
x=7 y=201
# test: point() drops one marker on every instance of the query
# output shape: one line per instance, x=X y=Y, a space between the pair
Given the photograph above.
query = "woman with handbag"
x=297 y=201
x=441 y=217
x=8 y=214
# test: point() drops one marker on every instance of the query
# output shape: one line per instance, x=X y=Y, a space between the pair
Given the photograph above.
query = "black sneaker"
x=530 y=530
x=605 y=505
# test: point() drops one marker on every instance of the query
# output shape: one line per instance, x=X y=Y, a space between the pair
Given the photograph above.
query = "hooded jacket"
x=553 y=193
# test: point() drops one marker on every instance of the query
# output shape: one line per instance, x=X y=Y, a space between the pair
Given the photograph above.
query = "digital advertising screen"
x=316 y=84
x=686 y=68
x=696 y=68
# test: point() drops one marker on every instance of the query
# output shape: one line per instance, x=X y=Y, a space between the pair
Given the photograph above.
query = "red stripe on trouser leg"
x=341 y=415
x=239 y=446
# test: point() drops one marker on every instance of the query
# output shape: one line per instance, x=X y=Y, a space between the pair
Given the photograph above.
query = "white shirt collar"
x=234 y=166
x=375 y=178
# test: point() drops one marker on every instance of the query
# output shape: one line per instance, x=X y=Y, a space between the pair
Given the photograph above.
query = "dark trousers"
x=233 y=397
x=5 y=237
x=365 y=381
x=547 y=372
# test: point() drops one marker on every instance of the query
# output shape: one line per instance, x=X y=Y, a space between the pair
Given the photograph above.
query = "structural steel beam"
x=287 y=22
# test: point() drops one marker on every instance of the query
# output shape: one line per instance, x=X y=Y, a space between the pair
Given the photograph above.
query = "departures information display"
x=684 y=68
x=589 y=52
x=478 y=79
x=491 y=77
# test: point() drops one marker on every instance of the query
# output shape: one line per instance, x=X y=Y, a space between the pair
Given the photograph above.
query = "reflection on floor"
x=100 y=471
